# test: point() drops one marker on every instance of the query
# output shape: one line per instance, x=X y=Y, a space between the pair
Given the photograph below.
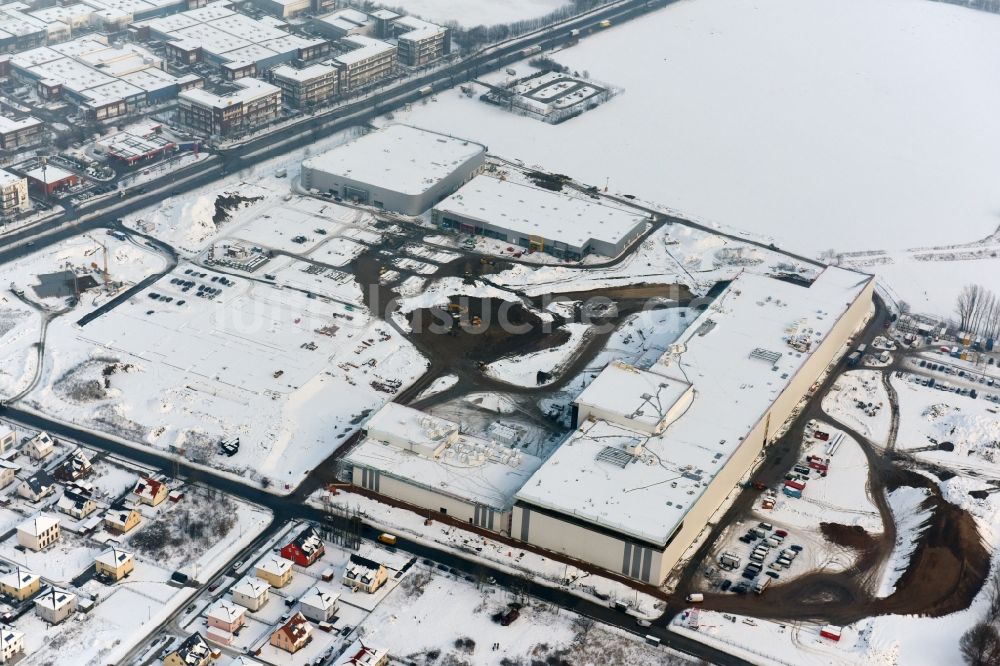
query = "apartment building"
x=419 y=41
x=252 y=104
x=24 y=133
x=13 y=193
x=315 y=84
x=370 y=60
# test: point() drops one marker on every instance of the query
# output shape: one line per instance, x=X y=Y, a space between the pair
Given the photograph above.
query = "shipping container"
x=792 y=492
x=798 y=485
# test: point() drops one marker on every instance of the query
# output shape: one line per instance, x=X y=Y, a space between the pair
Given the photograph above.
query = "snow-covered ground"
x=471 y=13
x=859 y=400
x=934 y=418
x=911 y=519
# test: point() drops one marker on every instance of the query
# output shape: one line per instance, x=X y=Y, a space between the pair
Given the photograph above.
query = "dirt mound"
x=850 y=536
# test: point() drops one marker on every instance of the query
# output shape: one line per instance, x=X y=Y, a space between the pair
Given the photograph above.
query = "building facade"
x=368 y=61
x=13 y=193
x=309 y=86
x=20 y=134
x=252 y=105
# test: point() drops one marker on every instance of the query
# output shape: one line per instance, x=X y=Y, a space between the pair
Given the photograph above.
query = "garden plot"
x=61 y=562
x=291 y=376
x=124 y=612
x=858 y=399
x=524 y=370
x=196 y=535
x=435 y=617
x=958 y=432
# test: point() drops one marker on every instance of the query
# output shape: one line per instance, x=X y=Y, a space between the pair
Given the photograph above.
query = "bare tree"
x=980 y=646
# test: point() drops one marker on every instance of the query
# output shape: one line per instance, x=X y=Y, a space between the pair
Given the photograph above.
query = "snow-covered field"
x=470 y=13
x=859 y=400
x=935 y=417
x=815 y=138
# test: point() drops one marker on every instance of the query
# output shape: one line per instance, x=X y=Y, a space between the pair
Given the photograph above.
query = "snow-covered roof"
x=9 y=637
x=55 y=599
x=49 y=175
x=430 y=452
x=249 y=90
x=386 y=14
x=7 y=179
x=19 y=578
x=418 y=28
x=364 y=48
x=11 y=125
x=645 y=400
x=274 y=565
x=528 y=210
x=113 y=557
x=398 y=158
x=737 y=356
x=226 y=611
x=38 y=525
x=352 y=16
x=251 y=586
x=302 y=75
x=320 y=597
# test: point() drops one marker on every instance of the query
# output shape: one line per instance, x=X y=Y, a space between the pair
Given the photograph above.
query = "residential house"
x=224 y=620
x=275 y=570
x=8 y=438
x=293 y=635
x=11 y=644
x=38 y=533
x=76 y=466
x=304 y=549
x=55 y=605
x=251 y=593
x=40 y=446
x=114 y=564
x=150 y=491
x=77 y=501
x=366 y=656
x=364 y=574
x=20 y=584
x=8 y=472
x=194 y=651
x=121 y=519
x=37 y=487
x=319 y=604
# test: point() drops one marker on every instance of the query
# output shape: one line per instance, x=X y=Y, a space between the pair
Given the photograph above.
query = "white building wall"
x=469 y=512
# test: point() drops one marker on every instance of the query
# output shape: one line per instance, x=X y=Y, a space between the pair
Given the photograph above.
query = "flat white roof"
x=365 y=47
x=647 y=496
x=11 y=125
x=250 y=90
x=6 y=179
x=645 y=398
x=398 y=158
x=469 y=468
x=533 y=211
x=302 y=75
x=51 y=174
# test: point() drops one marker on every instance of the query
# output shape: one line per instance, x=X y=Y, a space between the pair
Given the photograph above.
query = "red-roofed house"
x=293 y=635
x=150 y=491
x=304 y=549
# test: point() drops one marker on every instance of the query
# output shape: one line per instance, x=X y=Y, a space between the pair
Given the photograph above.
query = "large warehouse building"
x=650 y=461
x=398 y=168
x=637 y=482
x=427 y=462
x=563 y=225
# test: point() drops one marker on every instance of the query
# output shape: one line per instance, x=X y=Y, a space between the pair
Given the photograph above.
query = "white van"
x=695 y=598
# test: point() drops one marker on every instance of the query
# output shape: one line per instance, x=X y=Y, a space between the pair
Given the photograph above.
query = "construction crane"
x=105 y=275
